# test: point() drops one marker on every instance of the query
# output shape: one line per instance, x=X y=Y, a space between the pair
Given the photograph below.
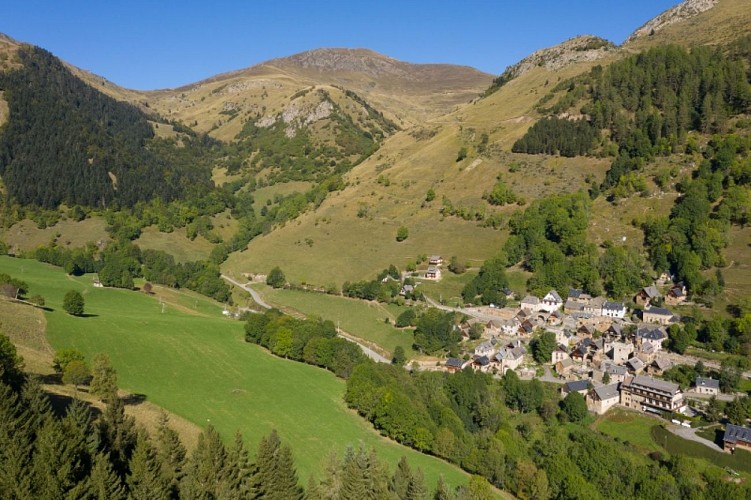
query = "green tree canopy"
x=73 y=303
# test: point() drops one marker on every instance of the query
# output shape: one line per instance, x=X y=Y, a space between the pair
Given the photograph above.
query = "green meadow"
x=363 y=319
x=178 y=351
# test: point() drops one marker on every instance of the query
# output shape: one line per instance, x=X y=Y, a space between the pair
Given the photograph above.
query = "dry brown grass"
x=175 y=243
x=25 y=235
x=718 y=26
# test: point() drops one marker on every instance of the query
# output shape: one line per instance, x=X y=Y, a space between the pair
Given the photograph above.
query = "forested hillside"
x=66 y=142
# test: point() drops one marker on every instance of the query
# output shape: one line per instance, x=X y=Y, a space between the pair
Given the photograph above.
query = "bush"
x=73 y=303
x=402 y=233
x=276 y=278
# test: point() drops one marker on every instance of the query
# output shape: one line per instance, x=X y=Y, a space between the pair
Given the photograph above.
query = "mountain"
x=389 y=190
x=405 y=93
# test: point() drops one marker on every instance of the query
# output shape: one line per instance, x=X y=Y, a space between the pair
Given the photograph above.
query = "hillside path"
x=375 y=356
x=256 y=296
x=690 y=434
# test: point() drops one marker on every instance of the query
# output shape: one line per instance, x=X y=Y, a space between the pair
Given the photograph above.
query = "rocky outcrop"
x=684 y=10
x=577 y=49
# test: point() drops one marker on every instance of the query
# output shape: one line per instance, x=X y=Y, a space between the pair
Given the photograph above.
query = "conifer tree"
x=442 y=492
x=205 y=471
x=417 y=489
x=237 y=471
x=275 y=475
x=171 y=454
x=15 y=446
x=401 y=479
x=116 y=433
x=104 y=483
x=146 y=480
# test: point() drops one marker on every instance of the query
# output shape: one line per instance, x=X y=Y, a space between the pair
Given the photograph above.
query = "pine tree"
x=117 y=435
x=353 y=476
x=205 y=470
x=15 y=446
x=401 y=479
x=171 y=454
x=237 y=471
x=103 y=378
x=417 y=489
x=146 y=480
x=104 y=483
x=442 y=491
x=275 y=476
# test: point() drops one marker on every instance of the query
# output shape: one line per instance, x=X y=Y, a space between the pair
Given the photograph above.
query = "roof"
x=432 y=269
x=650 y=291
x=554 y=295
x=662 y=364
x=677 y=291
x=707 y=382
x=660 y=311
x=607 y=391
x=565 y=363
x=614 y=369
x=576 y=385
x=649 y=333
x=734 y=433
x=507 y=291
x=613 y=306
x=482 y=360
x=530 y=299
x=655 y=384
x=454 y=363
x=435 y=257
x=635 y=363
x=574 y=293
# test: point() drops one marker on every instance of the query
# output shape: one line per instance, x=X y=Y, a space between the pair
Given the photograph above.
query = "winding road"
x=375 y=356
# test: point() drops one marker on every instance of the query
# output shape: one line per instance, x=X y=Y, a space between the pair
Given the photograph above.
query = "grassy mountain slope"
x=404 y=92
x=390 y=187
x=689 y=24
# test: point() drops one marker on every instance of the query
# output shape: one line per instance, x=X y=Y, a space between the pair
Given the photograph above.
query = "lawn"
x=739 y=461
x=182 y=354
x=628 y=427
x=362 y=319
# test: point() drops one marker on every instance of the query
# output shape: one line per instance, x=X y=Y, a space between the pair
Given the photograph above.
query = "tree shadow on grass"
x=134 y=399
x=61 y=402
x=87 y=315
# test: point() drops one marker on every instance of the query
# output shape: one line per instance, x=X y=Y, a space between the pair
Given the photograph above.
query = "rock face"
x=682 y=11
x=577 y=49
x=347 y=60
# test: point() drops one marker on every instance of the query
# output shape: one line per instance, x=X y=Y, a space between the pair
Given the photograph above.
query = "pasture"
x=179 y=352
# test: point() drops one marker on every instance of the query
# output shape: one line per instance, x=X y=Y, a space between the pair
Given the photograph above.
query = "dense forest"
x=647 y=103
x=66 y=142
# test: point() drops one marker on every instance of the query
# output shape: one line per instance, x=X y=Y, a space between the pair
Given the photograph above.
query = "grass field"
x=362 y=319
x=628 y=427
x=175 y=243
x=739 y=461
x=25 y=235
x=192 y=361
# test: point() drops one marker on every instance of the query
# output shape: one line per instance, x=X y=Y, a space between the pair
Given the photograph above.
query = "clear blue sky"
x=161 y=43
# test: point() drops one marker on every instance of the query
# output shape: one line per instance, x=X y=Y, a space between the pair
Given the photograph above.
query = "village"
x=610 y=354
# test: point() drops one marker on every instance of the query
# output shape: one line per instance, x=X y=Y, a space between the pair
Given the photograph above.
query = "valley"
x=520 y=251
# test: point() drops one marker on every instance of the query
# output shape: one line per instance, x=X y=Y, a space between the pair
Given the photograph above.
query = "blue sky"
x=162 y=43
